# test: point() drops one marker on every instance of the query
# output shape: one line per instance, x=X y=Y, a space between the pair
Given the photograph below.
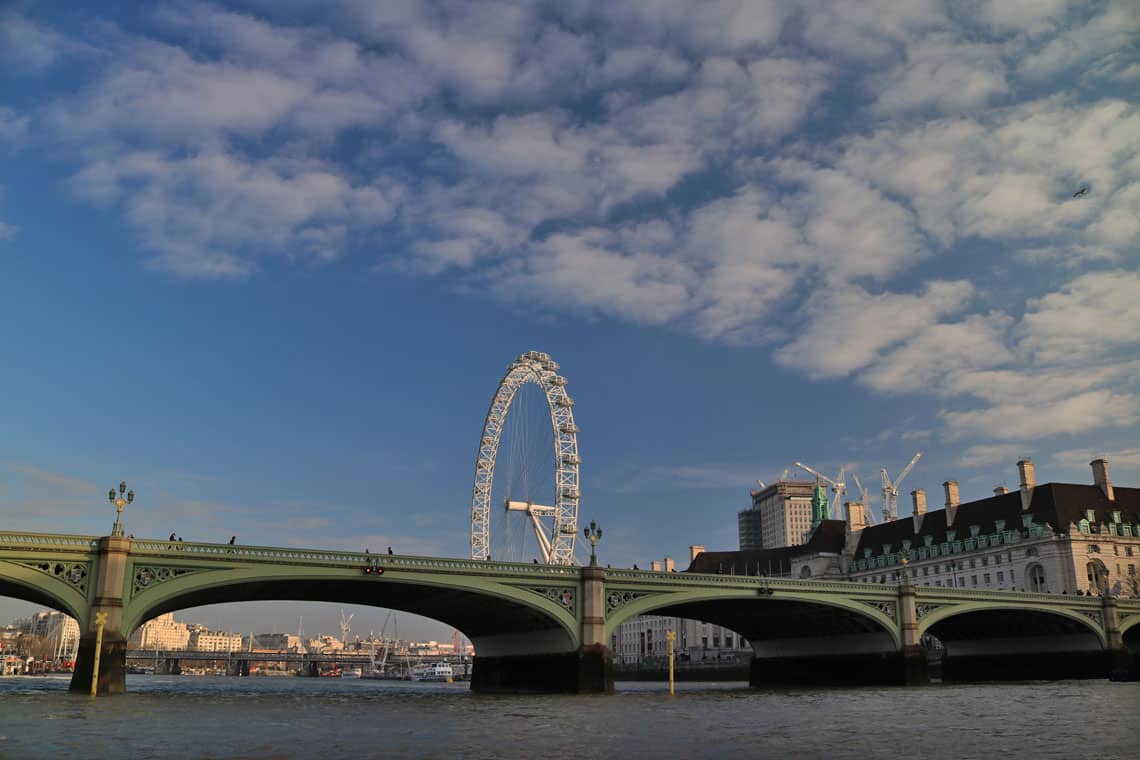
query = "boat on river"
x=439 y=672
x=351 y=672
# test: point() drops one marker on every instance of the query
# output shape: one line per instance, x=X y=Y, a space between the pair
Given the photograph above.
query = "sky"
x=268 y=263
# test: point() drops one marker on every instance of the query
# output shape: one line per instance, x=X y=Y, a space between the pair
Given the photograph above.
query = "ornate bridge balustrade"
x=548 y=628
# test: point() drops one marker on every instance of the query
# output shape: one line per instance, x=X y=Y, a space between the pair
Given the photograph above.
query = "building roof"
x=828 y=538
x=1060 y=505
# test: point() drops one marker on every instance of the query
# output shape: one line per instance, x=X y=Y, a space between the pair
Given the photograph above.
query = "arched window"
x=1035 y=579
x=1097 y=575
x=1030 y=552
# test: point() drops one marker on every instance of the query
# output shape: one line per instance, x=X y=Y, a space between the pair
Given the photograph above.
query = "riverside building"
x=1052 y=537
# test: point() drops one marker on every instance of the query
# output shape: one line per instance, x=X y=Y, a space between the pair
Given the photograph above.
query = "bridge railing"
x=271 y=554
x=657 y=577
x=47 y=542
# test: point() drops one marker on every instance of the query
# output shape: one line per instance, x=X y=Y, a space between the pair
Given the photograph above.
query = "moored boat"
x=439 y=672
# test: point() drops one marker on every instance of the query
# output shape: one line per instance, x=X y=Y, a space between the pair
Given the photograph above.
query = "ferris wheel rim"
x=537 y=368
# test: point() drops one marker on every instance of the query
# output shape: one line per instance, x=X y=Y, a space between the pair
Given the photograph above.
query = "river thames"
x=271 y=718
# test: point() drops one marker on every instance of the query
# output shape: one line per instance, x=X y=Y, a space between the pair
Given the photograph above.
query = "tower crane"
x=838 y=486
x=891 y=490
x=863 y=497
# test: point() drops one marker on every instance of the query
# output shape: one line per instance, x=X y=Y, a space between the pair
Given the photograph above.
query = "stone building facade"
x=1054 y=537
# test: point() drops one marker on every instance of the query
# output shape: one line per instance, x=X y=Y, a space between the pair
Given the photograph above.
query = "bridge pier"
x=112 y=665
x=587 y=671
x=110 y=574
x=866 y=669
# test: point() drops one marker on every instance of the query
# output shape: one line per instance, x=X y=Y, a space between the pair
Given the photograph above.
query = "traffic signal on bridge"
x=372 y=567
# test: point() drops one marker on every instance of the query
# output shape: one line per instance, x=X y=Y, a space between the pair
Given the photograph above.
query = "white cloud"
x=870 y=29
x=944 y=73
x=1094 y=315
x=204 y=213
x=7 y=231
x=1097 y=39
x=977 y=342
x=13 y=126
x=990 y=455
x=25 y=44
x=852 y=328
x=1034 y=17
x=1081 y=457
x=1087 y=411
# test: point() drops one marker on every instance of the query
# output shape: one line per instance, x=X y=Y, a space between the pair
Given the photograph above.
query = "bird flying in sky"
x=1081 y=193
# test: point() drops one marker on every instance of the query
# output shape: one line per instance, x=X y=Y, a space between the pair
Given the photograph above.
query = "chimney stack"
x=856 y=516
x=670 y=566
x=951 y=489
x=694 y=550
x=918 y=498
x=1000 y=490
x=1028 y=481
x=1025 y=470
x=655 y=566
x=1100 y=477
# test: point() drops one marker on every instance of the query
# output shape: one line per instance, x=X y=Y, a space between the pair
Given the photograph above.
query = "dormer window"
x=886 y=548
x=1090 y=515
x=975 y=530
x=1083 y=526
x=999 y=526
x=867 y=552
x=928 y=540
x=951 y=535
x=906 y=545
x=1027 y=521
x=1116 y=517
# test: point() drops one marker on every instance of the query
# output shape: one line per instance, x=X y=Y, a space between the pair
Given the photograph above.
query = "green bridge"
x=548 y=627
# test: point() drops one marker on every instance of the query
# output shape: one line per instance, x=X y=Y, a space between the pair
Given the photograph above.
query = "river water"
x=271 y=718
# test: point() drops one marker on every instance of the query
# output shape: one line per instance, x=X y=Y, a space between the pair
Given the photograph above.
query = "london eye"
x=528 y=463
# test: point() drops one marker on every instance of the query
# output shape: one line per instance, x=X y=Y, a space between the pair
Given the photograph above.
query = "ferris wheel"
x=506 y=433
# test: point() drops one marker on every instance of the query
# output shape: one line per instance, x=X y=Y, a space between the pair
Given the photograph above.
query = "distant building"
x=642 y=639
x=781 y=515
x=214 y=641
x=161 y=633
x=274 y=642
x=61 y=630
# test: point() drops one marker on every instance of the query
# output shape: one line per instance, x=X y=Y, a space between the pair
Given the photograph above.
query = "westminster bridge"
x=549 y=627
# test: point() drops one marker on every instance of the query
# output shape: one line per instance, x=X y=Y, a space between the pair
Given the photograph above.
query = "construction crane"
x=891 y=490
x=345 y=628
x=838 y=487
x=863 y=496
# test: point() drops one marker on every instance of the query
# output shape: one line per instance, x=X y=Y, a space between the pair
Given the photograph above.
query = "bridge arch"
x=1060 y=621
x=28 y=584
x=493 y=615
x=785 y=612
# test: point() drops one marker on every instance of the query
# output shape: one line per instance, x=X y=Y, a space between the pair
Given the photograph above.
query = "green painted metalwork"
x=63 y=569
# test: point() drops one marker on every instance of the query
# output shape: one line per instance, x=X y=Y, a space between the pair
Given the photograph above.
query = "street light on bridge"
x=120 y=502
x=593 y=533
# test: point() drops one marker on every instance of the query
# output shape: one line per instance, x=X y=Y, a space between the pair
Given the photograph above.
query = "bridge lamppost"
x=593 y=533
x=120 y=502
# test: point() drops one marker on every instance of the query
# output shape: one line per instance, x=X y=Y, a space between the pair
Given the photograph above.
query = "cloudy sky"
x=268 y=263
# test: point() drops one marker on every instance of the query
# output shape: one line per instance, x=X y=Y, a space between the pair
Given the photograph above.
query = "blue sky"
x=268 y=264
